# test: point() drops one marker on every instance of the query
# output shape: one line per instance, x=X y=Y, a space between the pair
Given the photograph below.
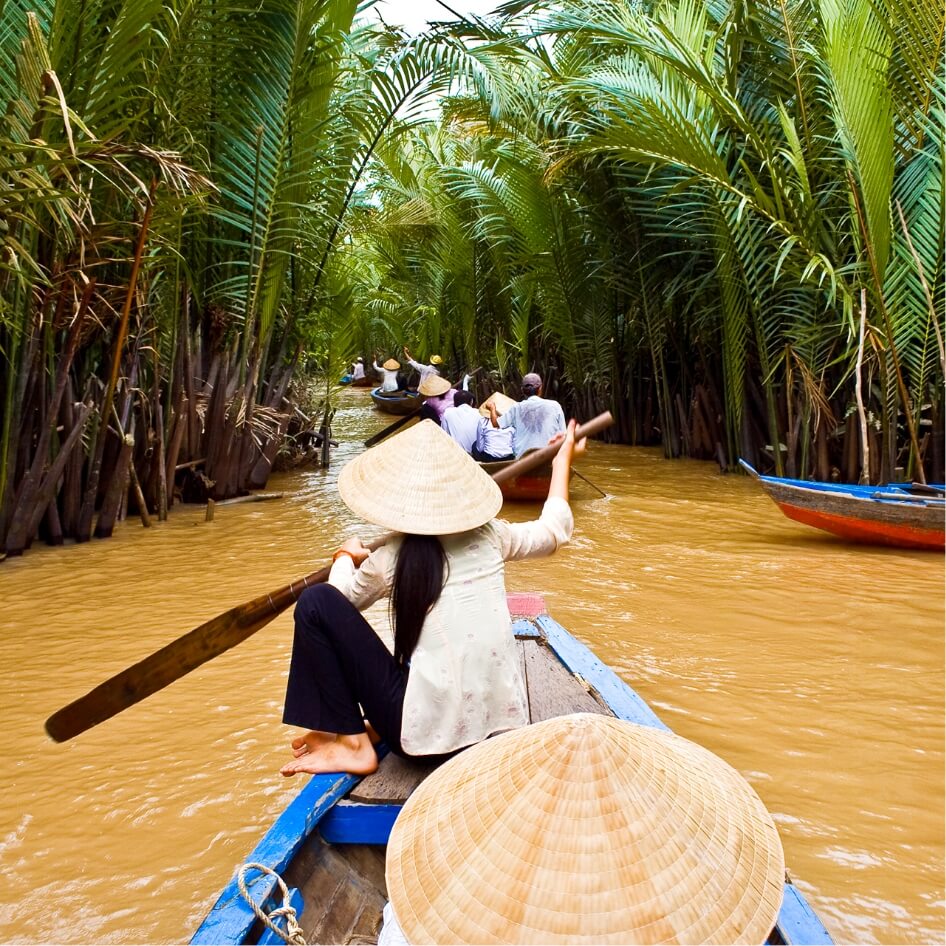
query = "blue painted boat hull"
x=317 y=808
x=897 y=514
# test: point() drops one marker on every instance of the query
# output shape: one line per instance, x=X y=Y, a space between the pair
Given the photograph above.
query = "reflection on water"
x=813 y=667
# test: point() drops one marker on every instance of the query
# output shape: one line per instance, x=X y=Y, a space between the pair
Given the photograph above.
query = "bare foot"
x=310 y=741
x=372 y=733
x=353 y=754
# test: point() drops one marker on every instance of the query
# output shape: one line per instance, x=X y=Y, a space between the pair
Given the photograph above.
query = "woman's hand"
x=355 y=549
x=569 y=448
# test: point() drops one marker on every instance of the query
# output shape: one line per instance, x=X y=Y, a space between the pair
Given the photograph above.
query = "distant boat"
x=400 y=402
x=899 y=514
x=363 y=382
x=329 y=844
x=533 y=486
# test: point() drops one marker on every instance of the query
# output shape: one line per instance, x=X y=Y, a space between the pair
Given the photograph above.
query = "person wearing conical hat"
x=493 y=444
x=425 y=371
x=358 y=369
x=455 y=676
x=438 y=395
x=583 y=829
x=388 y=371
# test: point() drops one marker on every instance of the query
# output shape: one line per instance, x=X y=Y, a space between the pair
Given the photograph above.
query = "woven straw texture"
x=436 y=360
x=391 y=365
x=501 y=402
x=585 y=829
x=420 y=481
x=433 y=385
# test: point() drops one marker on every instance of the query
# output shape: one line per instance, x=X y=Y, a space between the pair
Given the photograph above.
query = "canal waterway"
x=814 y=667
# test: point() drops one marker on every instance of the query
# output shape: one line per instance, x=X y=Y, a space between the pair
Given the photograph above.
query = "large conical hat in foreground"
x=391 y=365
x=585 y=829
x=420 y=481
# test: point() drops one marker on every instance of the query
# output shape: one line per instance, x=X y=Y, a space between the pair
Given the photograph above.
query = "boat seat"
x=392 y=783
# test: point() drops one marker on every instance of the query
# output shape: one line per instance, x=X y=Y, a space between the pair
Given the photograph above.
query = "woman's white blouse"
x=465 y=681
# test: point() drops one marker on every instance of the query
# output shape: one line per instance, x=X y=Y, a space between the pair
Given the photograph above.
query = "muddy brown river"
x=814 y=667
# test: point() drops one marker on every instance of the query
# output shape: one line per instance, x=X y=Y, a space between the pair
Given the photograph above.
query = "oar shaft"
x=546 y=454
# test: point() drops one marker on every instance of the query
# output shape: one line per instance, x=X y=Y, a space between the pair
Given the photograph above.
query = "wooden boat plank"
x=346 y=908
x=624 y=702
x=393 y=782
x=343 y=882
x=553 y=691
x=231 y=918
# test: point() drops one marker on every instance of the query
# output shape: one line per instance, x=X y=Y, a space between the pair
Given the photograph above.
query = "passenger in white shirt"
x=388 y=371
x=494 y=444
x=462 y=421
x=455 y=676
x=537 y=420
x=425 y=371
x=358 y=370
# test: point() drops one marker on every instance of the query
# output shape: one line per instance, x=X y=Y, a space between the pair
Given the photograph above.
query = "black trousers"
x=341 y=673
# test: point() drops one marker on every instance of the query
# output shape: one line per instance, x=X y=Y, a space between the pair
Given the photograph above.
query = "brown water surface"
x=814 y=667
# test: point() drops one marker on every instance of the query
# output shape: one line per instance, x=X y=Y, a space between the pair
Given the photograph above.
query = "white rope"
x=293 y=932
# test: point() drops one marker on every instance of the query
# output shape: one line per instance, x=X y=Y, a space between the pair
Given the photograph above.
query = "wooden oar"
x=219 y=634
x=397 y=425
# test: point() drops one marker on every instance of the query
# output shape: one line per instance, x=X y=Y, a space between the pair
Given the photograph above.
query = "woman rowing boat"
x=454 y=677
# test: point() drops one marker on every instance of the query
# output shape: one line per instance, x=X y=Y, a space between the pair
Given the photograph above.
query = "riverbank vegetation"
x=722 y=221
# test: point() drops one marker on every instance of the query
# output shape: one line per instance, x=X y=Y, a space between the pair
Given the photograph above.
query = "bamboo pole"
x=858 y=393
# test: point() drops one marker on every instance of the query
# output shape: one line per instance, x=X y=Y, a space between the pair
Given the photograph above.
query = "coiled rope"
x=293 y=932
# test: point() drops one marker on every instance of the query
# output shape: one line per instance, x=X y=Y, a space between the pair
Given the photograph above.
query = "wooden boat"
x=329 y=843
x=365 y=381
x=894 y=514
x=403 y=402
x=533 y=486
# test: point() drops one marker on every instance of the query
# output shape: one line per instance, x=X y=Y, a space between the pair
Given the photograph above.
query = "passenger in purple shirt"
x=439 y=396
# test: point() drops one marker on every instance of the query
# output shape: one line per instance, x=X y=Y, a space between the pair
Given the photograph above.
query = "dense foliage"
x=722 y=221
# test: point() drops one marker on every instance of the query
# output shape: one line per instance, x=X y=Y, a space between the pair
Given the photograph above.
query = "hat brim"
x=585 y=829
x=422 y=482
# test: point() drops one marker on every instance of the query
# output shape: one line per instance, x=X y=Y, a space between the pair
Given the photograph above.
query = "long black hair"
x=419 y=578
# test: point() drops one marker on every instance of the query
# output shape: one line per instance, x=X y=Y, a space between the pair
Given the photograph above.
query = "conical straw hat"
x=501 y=402
x=433 y=385
x=436 y=360
x=420 y=481
x=391 y=365
x=585 y=829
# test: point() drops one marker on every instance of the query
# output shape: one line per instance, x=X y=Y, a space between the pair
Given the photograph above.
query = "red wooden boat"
x=532 y=487
x=881 y=516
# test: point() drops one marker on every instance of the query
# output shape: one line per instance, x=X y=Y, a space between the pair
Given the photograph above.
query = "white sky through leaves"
x=415 y=14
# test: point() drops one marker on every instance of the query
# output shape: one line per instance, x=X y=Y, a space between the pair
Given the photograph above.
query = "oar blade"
x=173 y=661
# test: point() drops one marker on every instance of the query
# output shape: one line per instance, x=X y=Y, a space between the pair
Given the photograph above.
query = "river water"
x=814 y=667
